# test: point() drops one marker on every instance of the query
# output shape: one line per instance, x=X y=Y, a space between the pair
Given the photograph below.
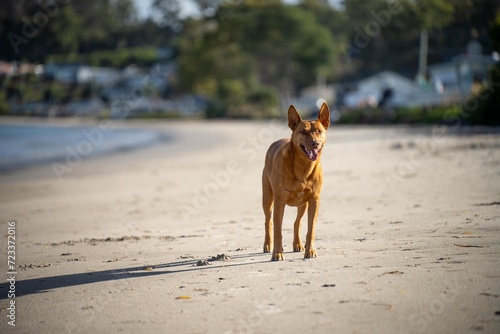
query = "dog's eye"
x=304 y=132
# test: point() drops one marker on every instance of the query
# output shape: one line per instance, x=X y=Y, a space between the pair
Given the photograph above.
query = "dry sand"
x=408 y=237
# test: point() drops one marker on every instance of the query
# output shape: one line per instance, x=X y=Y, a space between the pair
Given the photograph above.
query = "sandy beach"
x=168 y=239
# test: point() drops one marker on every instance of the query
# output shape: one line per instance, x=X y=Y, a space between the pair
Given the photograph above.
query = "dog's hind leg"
x=267 y=206
x=297 y=244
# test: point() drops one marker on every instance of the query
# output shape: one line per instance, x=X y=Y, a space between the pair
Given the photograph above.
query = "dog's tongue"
x=312 y=154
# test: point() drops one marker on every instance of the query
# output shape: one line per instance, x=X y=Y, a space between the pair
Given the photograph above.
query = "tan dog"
x=293 y=176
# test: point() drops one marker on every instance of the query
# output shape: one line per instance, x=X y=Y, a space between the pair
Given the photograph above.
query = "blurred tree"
x=207 y=7
x=431 y=14
x=336 y=22
x=31 y=30
x=482 y=108
x=385 y=34
x=9 y=14
x=169 y=11
x=61 y=35
x=250 y=45
x=148 y=33
x=124 y=13
x=469 y=15
x=103 y=22
x=495 y=32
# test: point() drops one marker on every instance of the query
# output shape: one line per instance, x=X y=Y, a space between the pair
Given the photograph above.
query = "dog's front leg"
x=279 y=209
x=297 y=244
x=312 y=214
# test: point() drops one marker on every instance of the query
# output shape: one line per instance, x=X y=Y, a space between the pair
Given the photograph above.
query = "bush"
x=4 y=106
x=484 y=107
x=412 y=115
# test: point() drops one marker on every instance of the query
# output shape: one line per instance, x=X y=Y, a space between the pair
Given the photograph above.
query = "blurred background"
x=377 y=61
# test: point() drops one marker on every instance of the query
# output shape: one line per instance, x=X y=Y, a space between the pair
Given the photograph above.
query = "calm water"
x=24 y=145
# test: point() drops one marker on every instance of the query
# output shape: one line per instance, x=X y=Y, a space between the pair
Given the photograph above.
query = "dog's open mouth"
x=312 y=153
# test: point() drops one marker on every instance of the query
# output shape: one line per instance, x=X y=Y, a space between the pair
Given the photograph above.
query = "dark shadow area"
x=44 y=284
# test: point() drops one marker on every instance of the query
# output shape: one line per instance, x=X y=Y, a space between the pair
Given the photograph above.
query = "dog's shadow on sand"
x=45 y=284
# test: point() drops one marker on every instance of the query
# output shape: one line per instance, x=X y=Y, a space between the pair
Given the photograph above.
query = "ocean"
x=26 y=145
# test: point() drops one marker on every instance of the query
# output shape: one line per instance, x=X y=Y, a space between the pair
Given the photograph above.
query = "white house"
x=403 y=92
x=458 y=75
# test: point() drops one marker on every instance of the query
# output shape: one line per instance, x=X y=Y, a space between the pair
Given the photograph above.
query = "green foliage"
x=483 y=108
x=495 y=32
x=4 y=106
x=252 y=47
x=384 y=35
x=431 y=14
x=32 y=30
x=158 y=114
x=428 y=115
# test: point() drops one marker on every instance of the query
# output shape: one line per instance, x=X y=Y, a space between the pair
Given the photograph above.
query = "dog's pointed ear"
x=324 y=115
x=293 y=117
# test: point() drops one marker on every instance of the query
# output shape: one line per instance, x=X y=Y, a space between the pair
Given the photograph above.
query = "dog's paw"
x=309 y=253
x=298 y=247
x=267 y=248
x=277 y=257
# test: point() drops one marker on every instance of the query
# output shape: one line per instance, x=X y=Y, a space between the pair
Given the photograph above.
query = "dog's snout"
x=315 y=143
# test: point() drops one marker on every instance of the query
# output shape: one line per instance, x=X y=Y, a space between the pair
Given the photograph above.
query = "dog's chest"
x=298 y=193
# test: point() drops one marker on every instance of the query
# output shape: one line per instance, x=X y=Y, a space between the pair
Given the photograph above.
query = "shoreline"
x=167 y=134
x=91 y=141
